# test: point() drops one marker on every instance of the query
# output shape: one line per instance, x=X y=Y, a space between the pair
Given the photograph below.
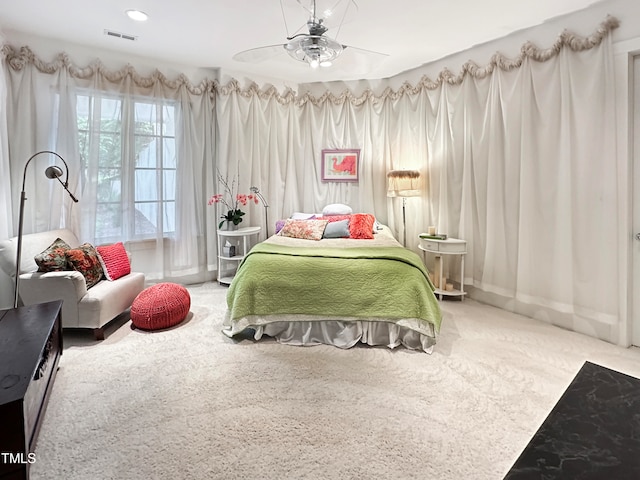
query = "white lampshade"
x=404 y=183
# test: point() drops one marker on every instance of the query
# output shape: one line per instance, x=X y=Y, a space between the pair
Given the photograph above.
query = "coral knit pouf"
x=160 y=306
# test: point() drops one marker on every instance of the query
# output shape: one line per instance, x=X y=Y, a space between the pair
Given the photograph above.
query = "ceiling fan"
x=313 y=46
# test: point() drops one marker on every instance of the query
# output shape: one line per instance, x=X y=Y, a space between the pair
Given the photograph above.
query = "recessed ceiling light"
x=137 y=15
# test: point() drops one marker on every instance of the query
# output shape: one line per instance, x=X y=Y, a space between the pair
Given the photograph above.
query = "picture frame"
x=342 y=165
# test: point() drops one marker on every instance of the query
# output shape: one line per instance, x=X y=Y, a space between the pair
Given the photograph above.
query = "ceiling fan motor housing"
x=313 y=48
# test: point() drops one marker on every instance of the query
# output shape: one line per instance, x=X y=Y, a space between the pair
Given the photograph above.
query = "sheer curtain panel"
x=518 y=158
x=140 y=154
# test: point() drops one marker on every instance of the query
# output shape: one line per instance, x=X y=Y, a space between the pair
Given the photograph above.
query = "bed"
x=336 y=291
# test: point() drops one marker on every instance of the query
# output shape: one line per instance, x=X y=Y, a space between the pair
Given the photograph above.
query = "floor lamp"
x=51 y=172
x=404 y=183
x=266 y=206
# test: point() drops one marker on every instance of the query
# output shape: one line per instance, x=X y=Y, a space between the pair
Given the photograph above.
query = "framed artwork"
x=340 y=165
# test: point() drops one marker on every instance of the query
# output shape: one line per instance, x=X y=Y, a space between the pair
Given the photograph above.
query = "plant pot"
x=229 y=226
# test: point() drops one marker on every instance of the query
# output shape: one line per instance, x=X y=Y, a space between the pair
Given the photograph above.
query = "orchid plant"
x=231 y=201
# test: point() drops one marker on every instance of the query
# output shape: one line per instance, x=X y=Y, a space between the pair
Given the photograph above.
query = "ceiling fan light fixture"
x=314 y=49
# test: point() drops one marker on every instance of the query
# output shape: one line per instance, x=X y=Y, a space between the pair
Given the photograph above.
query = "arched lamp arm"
x=257 y=193
x=51 y=172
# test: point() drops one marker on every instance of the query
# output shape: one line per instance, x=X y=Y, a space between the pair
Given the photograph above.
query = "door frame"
x=634 y=145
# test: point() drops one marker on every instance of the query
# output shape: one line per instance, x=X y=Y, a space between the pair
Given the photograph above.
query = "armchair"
x=81 y=308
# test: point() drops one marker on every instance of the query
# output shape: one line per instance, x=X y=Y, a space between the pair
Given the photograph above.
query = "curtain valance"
x=17 y=59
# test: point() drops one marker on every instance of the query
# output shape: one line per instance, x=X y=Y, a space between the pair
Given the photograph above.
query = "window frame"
x=128 y=199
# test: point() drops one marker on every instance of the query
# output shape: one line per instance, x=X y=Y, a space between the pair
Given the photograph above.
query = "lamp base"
x=404 y=222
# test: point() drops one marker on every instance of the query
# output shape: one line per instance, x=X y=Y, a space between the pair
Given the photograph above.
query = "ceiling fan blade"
x=259 y=54
x=365 y=52
x=356 y=60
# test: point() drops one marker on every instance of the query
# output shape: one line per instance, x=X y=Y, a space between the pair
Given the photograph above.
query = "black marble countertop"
x=593 y=432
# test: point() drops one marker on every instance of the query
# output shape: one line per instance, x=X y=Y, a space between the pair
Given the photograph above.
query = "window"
x=129 y=159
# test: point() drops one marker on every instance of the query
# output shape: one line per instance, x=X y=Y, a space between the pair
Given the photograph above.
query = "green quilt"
x=367 y=283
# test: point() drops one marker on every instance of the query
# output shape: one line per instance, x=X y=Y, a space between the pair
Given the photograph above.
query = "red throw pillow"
x=114 y=260
x=361 y=226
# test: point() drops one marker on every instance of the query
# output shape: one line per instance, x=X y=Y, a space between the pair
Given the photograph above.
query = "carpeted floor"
x=189 y=403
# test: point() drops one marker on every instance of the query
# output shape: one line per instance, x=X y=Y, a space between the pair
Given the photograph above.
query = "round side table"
x=233 y=245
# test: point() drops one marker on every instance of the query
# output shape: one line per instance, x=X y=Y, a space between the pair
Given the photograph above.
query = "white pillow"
x=337 y=209
x=302 y=216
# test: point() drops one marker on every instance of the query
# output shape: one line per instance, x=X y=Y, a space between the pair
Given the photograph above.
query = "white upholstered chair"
x=81 y=308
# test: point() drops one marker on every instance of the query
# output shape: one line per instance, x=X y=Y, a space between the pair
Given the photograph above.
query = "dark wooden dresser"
x=30 y=348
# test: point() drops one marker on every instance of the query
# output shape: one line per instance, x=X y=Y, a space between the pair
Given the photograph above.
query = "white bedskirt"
x=339 y=333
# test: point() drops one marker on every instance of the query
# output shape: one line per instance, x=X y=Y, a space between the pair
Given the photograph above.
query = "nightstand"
x=229 y=257
x=440 y=249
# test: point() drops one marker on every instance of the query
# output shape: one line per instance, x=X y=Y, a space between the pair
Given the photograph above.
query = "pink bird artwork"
x=346 y=165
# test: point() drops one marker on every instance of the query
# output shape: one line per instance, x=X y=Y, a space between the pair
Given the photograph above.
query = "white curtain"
x=33 y=124
x=259 y=144
x=163 y=141
x=528 y=178
x=6 y=229
x=518 y=159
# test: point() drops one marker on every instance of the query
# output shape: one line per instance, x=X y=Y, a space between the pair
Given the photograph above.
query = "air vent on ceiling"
x=124 y=36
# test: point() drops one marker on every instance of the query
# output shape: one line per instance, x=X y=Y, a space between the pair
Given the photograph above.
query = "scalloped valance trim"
x=18 y=59
x=233 y=86
x=567 y=39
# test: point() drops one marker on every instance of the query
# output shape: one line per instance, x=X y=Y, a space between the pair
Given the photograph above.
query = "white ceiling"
x=207 y=33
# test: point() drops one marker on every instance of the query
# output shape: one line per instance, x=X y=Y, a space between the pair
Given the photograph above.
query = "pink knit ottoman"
x=160 y=306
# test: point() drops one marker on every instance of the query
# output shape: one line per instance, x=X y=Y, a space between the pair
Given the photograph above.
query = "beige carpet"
x=189 y=403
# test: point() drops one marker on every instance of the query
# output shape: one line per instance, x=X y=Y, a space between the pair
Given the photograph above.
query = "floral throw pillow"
x=114 y=260
x=306 y=229
x=84 y=259
x=53 y=258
